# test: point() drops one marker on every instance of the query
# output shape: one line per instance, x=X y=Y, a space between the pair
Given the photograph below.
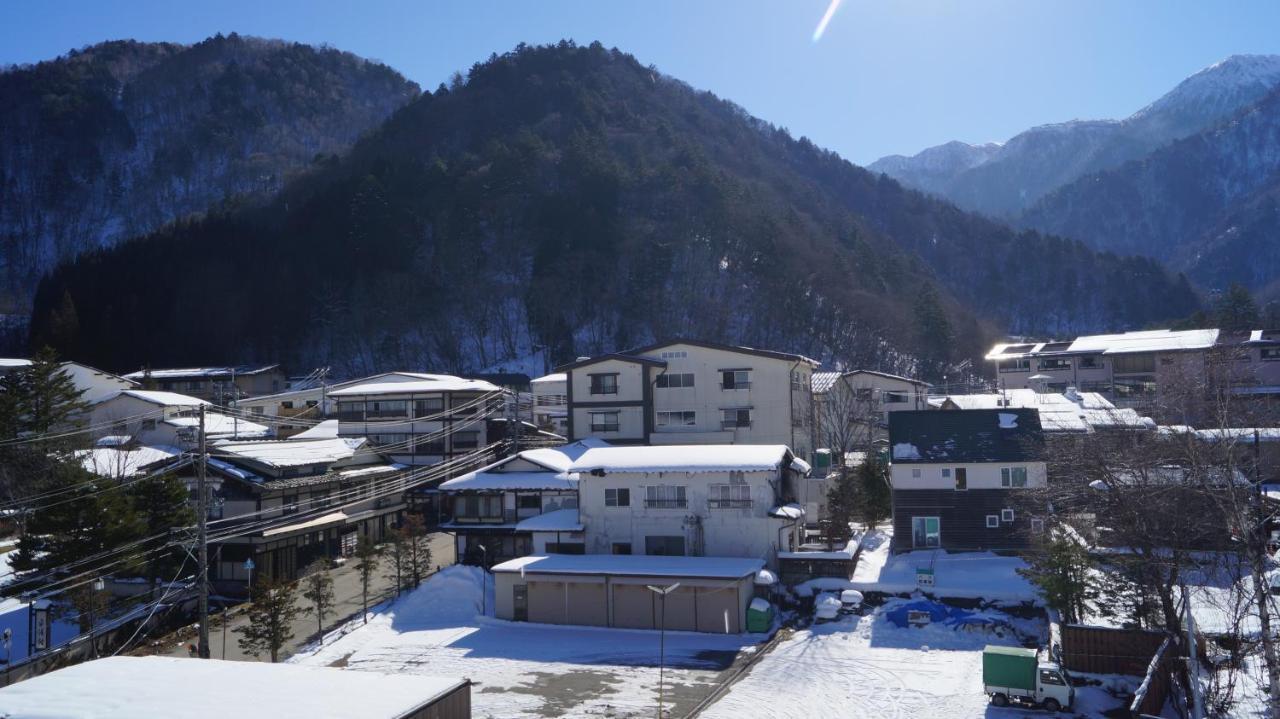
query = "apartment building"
x=852 y=408
x=955 y=475
x=216 y=384
x=551 y=403
x=693 y=392
x=691 y=500
x=1144 y=370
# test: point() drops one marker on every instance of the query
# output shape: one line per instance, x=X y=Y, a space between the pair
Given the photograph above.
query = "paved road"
x=346 y=590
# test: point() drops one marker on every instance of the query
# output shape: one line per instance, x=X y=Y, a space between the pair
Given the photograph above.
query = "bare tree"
x=849 y=416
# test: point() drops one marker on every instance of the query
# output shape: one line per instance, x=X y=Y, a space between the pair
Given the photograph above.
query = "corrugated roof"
x=684 y=458
x=976 y=435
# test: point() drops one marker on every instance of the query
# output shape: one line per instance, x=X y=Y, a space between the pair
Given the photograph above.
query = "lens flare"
x=826 y=19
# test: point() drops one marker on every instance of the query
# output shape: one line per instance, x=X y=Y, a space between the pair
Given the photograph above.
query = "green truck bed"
x=1012 y=667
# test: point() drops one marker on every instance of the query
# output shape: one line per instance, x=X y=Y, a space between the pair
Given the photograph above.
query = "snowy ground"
x=956 y=575
x=527 y=670
x=868 y=667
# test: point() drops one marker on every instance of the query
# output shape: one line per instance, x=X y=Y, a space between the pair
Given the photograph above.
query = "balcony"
x=736 y=385
x=729 y=504
x=734 y=423
x=665 y=503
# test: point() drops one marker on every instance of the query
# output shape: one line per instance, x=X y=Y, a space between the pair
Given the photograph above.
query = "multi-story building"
x=852 y=408
x=1146 y=370
x=691 y=500
x=418 y=419
x=693 y=392
x=216 y=384
x=551 y=403
x=151 y=417
x=955 y=476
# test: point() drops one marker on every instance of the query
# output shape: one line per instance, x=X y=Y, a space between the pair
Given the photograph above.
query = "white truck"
x=1014 y=675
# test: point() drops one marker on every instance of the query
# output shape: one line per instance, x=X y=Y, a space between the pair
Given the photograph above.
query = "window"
x=427 y=407
x=566 y=548
x=915 y=473
x=620 y=497
x=895 y=397
x=864 y=394
x=1016 y=365
x=257 y=410
x=387 y=408
x=1037 y=526
x=735 y=379
x=729 y=496
x=195 y=384
x=148 y=424
x=351 y=411
x=677 y=419
x=466 y=440
x=604 y=422
x=289 y=504
x=1270 y=354
x=1090 y=363
x=398 y=441
x=664 y=496
x=962 y=479
x=800 y=380
x=286 y=405
x=946 y=472
x=664 y=546
x=430 y=445
x=1051 y=677
x=1133 y=364
x=622 y=547
x=674 y=354
x=993 y=521
x=1052 y=364
x=1006 y=515
x=528 y=501
x=477 y=507
x=1013 y=477
x=926 y=532
x=731 y=418
x=674 y=381
x=604 y=383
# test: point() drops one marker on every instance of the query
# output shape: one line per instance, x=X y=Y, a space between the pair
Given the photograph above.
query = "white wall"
x=978 y=476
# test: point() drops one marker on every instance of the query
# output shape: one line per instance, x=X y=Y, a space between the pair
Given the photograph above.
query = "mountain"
x=119 y=139
x=567 y=200
x=1206 y=203
x=1014 y=176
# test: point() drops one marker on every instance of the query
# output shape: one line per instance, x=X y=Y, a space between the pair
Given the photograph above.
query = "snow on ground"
x=959 y=575
x=869 y=667
x=522 y=669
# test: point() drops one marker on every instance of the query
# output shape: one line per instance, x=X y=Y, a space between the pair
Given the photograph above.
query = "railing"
x=605 y=427
x=729 y=504
x=734 y=424
x=736 y=385
x=665 y=503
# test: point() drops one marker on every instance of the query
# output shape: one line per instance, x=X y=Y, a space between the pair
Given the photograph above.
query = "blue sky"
x=892 y=76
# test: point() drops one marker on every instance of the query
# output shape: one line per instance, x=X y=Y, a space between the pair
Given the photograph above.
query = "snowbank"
x=963 y=575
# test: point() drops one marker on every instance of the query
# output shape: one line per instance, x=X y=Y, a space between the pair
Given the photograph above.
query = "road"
x=347 y=603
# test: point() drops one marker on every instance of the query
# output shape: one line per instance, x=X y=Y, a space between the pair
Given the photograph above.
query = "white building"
x=690 y=500
x=150 y=417
x=95 y=384
x=693 y=392
x=551 y=403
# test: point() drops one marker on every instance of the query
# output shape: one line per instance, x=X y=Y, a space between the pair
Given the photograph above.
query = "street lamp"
x=662 y=635
x=97 y=586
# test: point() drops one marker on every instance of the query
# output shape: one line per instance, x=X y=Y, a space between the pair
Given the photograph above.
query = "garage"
x=617 y=591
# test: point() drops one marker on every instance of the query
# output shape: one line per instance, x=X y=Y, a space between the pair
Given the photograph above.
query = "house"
x=712 y=595
x=691 y=500
x=692 y=392
x=523 y=504
x=150 y=417
x=418 y=419
x=221 y=384
x=127 y=687
x=289 y=502
x=852 y=408
x=1143 y=370
x=955 y=474
x=95 y=384
x=551 y=402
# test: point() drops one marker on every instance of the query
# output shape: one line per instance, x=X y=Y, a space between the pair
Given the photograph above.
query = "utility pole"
x=202 y=541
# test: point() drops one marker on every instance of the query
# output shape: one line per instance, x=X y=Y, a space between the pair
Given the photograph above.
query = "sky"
x=887 y=76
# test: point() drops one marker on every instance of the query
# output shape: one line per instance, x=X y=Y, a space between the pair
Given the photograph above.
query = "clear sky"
x=888 y=76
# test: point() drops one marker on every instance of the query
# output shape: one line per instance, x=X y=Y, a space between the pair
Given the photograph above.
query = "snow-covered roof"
x=553 y=377
x=562 y=458
x=221 y=425
x=496 y=481
x=787 y=511
x=120 y=463
x=164 y=399
x=128 y=687
x=321 y=521
x=1071 y=411
x=560 y=520
x=823 y=381
x=634 y=565
x=1243 y=435
x=183 y=372
x=288 y=452
x=684 y=458
x=327 y=429
x=414 y=383
x=1122 y=343
x=13 y=363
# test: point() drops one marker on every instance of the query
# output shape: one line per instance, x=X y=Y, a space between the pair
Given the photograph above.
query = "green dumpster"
x=759 y=615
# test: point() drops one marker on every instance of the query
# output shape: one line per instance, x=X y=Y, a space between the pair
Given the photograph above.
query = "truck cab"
x=1016 y=675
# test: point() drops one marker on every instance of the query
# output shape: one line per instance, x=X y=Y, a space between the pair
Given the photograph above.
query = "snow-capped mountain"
x=1011 y=177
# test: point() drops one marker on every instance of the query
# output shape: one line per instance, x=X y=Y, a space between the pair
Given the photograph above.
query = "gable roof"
x=164 y=399
x=619 y=356
x=201 y=372
x=771 y=354
x=413 y=383
x=824 y=381
x=688 y=458
x=972 y=435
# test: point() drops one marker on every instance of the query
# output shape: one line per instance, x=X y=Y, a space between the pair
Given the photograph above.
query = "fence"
x=1103 y=650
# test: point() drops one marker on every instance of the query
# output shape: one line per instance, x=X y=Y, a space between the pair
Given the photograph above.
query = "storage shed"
x=613 y=591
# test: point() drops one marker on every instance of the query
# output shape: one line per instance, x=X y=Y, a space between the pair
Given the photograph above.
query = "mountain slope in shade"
x=568 y=200
x=1042 y=159
x=121 y=138
x=1204 y=203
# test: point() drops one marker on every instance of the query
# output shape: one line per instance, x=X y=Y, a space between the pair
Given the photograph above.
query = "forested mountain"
x=567 y=200
x=119 y=139
x=1006 y=180
x=1206 y=204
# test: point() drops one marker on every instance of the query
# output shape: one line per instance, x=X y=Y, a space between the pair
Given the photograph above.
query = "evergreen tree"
x=875 y=500
x=418 y=545
x=367 y=556
x=159 y=504
x=1062 y=573
x=317 y=588
x=842 y=509
x=1236 y=310
x=40 y=399
x=272 y=612
x=397 y=553
x=934 y=336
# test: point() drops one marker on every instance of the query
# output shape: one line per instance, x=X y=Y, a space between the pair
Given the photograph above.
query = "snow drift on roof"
x=562 y=458
x=560 y=520
x=496 y=481
x=119 y=463
x=634 y=564
x=288 y=453
x=553 y=377
x=413 y=382
x=165 y=399
x=684 y=458
x=222 y=426
x=327 y=429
